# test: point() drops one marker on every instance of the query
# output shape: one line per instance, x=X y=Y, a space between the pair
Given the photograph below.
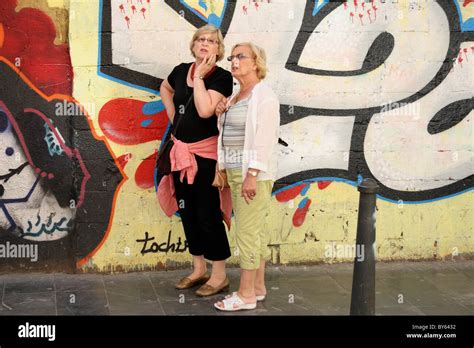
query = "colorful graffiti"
x=27 y=40
x=57 y=182
x=363 y=95
x=132 y=122
x=371 y=84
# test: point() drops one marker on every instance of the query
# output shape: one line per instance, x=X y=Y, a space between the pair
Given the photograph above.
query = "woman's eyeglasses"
x=204 y=39
x=239 y=56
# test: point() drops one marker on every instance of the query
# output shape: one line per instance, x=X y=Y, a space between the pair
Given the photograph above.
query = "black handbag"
x=163 y=161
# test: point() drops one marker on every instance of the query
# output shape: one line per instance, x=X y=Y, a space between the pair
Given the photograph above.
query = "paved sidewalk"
x=402 y=288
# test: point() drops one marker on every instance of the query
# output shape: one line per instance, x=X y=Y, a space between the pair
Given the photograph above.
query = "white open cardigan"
x=261 y=133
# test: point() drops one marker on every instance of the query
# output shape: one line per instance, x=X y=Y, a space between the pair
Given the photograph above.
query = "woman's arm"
x=167 y=92
x=205 y=100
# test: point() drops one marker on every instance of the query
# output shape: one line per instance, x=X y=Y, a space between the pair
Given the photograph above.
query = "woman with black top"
x=198 y=201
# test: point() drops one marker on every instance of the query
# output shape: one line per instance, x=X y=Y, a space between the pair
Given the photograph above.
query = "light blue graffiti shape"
x=53 y=145
x=203 y=4
x=302 y=204
x=57 y=226
x=467 y=25
x=212 y=19
x=318 y=7
x=151 y=109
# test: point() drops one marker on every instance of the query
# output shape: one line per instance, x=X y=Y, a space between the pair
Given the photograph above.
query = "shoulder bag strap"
x=181 y=116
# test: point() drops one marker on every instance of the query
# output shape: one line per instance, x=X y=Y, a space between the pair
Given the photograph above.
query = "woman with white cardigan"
x=248 y=134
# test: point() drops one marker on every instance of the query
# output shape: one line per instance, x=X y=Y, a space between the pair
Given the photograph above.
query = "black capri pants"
x=199 y=208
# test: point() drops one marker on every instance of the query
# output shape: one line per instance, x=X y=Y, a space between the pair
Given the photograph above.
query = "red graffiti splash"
x=28 y=42
x=123 y=122
x=291 y=193
x=122 y=119
x=144 y=176
x=369 y=13
x=467 y=2
x=323 y=184
x=354 y=7
x=300 y=214
x=123 y=160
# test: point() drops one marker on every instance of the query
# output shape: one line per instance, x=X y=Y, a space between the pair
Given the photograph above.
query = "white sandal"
x=258 y=297
x=235 y=303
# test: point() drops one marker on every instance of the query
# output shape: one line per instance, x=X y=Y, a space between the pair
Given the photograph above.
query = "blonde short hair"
x=259 y=56
x=209 y=28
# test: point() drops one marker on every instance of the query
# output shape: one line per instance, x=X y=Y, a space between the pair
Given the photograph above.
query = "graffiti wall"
x=58 y=179
x=368 y=89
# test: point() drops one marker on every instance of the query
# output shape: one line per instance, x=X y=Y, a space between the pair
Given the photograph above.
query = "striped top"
x=233 y=133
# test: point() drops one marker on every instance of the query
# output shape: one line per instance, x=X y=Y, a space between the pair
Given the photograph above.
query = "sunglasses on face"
x=239 y=57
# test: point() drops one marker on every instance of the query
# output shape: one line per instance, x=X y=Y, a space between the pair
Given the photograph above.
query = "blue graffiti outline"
x=467 y=25
x=212 y=19
x=317 y=8
x=99 y=64
x=355 y=184
x=56 y=227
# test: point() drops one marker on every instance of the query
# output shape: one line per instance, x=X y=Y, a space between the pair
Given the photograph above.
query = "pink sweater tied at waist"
x=183 y=160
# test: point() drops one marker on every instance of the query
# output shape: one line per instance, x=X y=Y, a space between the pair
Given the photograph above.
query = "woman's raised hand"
x=206 y=65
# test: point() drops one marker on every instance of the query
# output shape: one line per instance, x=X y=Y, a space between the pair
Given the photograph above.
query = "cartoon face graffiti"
x=57 y=182
x=29 y=208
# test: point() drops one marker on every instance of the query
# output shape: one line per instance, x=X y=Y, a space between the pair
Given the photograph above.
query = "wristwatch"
x=252 y=172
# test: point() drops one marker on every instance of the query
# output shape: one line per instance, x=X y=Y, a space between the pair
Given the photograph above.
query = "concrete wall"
x=368 y=89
